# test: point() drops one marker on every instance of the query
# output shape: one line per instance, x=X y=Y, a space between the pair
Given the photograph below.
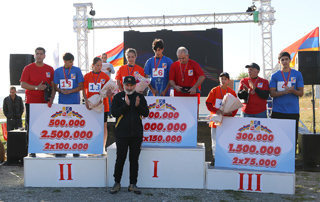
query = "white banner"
x=259 y=144
x=65 y=129
x=172 y=121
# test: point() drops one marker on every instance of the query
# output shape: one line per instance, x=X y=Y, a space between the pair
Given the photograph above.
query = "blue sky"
x=29 y=24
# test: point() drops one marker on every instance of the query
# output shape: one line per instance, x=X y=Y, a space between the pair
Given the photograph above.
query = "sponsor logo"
x=161 y=105
x=66 y=112
x=255 y=126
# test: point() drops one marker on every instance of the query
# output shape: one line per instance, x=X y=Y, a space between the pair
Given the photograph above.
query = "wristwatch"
x=36 y=88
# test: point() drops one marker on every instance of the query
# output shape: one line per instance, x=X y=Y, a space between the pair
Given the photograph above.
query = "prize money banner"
x=65 y=129
x=172 y=121
x=258 y=144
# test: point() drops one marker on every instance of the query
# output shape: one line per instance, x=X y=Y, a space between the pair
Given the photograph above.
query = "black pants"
x=14 y=124
x=295 y=117
x=134 y=145
x=26 y=123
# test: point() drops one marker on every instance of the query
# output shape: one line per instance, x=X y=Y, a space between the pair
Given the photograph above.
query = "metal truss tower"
x=82 y=25
x=266 y=20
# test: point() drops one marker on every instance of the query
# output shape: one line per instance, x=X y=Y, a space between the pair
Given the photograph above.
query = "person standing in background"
x=108 y=69
x=13 y=109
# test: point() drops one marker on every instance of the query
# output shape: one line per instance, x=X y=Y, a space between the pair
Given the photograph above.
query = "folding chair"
x=4 y=131
x=5 y=137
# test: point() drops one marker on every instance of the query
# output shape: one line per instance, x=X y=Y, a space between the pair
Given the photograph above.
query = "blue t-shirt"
x=159 y=77
x=75 y=77
x=288 y=103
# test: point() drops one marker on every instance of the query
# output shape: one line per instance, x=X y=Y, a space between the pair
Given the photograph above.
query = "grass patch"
x=148 y=194
x=56 y=190
x=306 y=114
x=237 y=195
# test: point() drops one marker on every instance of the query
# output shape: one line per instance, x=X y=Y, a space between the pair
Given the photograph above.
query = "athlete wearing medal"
x=131 y=69
x=68 y=81
x=33 y=80
x=213 y=103
x=157 y=68
x=255 y=91
x=286 y=86
x=185 y=73
x=93 y=83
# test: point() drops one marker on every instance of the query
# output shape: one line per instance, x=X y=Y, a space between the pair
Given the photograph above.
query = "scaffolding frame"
x=264 y=17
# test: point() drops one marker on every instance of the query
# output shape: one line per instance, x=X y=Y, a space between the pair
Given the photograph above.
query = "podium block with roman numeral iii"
x=249 y=180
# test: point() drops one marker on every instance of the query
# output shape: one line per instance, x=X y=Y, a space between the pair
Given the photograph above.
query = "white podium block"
x=249 y=180
x=161 y=167
x=50 y=171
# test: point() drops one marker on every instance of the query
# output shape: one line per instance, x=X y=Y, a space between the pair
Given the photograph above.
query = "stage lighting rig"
x=252 y=8
x=92 y=12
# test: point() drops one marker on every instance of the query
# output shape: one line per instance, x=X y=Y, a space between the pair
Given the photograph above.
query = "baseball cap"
x=129 y=80
x=224 y=74
x=253 y=65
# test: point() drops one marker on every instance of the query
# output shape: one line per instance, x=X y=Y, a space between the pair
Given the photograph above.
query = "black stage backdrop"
x=205 y=47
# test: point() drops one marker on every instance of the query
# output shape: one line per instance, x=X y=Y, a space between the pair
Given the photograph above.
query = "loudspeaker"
x=309 y=65
x=17 y=63
x=310 y=151
x=16 y=146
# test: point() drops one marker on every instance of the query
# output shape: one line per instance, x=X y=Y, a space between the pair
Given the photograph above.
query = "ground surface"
x=12 y=189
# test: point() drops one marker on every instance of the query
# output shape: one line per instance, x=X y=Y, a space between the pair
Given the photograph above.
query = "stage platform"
x=249 y=180
x=46 y=170
x=163 y=167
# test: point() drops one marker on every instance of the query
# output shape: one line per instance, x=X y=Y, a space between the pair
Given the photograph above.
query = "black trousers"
x=295 y=117
x=14 y=124
x=134 y=145
x=26 y=123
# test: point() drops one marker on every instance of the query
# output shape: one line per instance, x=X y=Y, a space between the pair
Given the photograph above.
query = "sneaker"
x=116 y=187
x=133 y=188
x=32 y=155
x=76 y=155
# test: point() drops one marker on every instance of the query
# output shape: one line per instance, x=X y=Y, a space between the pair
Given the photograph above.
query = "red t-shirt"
x=125 y=70
x=90 y=88
x=190 y=72
x=255 y=103
x=34 y=75
x=215 y=97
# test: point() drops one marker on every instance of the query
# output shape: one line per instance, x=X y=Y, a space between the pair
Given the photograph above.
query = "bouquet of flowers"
x=95 y=101
x=229 y=104
x=142 y=83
